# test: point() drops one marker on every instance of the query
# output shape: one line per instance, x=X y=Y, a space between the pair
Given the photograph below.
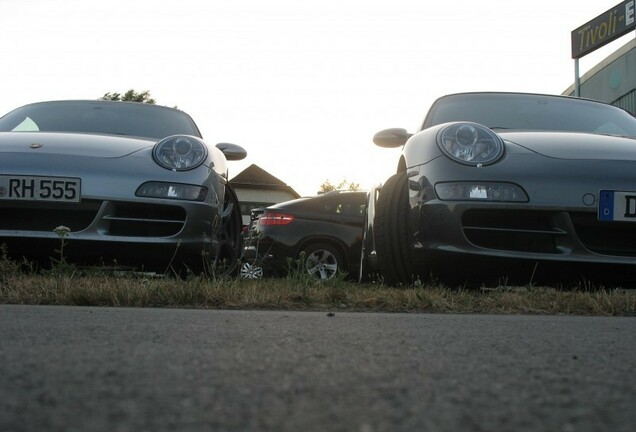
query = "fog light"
x=480 y=191
x=172 y=191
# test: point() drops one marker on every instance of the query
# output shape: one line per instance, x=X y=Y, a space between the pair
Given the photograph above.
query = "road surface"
x=126 y=369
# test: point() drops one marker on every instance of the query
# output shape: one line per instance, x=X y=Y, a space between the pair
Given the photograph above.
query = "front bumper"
x=558 y=223
x=140 y=233
x=523 y=232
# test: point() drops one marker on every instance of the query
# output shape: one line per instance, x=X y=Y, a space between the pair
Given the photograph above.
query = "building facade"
x=256 y=188
x=613 y=80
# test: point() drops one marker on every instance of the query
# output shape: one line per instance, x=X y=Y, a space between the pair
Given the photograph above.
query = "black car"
x=322 y=234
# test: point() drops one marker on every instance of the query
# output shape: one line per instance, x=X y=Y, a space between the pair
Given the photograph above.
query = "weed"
x=60 y=266
x=7 y=267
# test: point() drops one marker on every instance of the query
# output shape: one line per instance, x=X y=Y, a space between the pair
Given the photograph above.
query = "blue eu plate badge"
x=617 y=206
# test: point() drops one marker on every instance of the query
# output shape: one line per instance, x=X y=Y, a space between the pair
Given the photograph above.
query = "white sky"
x=302 y=85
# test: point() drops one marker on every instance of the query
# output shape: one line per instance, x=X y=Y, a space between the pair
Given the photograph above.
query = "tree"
x=327 y=186
x=130 y=96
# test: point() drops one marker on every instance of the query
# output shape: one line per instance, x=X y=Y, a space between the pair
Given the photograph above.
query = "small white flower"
x=62 y=231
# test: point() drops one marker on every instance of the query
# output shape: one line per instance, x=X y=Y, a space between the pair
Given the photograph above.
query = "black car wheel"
x=322 y=261
x=391 y=231
x=229 y=235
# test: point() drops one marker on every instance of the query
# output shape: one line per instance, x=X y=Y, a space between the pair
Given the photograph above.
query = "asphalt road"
x=113 y=369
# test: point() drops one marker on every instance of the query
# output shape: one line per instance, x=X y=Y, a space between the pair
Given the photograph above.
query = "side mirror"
x=391 y=138
x=232 y=152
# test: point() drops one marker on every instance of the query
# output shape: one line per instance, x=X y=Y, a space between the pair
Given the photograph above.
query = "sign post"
x=577 y=80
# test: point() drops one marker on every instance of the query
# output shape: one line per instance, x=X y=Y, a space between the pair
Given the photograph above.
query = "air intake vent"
x=513 y=230
x=143 y=220
x=606 y=238
x=33 y=216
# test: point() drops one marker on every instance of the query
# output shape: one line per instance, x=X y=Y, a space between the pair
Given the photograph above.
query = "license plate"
x=617 y=206
x=29 y=188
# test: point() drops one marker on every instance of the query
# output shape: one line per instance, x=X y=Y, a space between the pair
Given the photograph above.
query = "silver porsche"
x=125 y=184
x=507 y=188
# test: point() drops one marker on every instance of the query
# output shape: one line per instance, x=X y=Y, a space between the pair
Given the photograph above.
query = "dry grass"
x=63 y=284
x=304 y=294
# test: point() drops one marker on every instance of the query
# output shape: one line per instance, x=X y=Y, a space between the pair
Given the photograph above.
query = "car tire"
x=391 y=232
x=322 y=261
x=229 y=235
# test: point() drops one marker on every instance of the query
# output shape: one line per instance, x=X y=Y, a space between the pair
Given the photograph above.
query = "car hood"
x=59 y=143
x=571 y=145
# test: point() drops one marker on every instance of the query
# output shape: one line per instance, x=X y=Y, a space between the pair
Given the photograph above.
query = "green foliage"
x=130 y=96
x=327 y=186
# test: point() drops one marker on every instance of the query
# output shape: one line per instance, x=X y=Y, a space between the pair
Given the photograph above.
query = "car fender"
x=218 y=163
x=422 y=147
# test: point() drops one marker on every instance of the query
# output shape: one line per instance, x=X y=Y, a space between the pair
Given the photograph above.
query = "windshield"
x=100 y=117
x=532 y=112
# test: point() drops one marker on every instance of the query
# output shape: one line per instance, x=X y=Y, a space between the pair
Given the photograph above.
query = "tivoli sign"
x=603 y=29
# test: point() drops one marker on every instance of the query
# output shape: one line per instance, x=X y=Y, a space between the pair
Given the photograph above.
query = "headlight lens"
x=180 y=152
x=470 y=143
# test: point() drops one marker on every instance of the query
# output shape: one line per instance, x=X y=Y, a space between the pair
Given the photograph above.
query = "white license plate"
x=30 y=188
x=617 y=206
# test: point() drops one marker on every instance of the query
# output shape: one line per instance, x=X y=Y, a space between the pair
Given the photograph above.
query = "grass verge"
x=301 y=293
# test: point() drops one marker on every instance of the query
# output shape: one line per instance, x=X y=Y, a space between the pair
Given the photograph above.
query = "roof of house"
x=256 y=177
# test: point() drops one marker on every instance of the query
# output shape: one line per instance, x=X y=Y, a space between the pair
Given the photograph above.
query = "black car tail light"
x=275 y=219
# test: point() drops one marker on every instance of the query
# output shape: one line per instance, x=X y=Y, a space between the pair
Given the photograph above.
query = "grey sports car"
x=131 y=183
x=507 y=188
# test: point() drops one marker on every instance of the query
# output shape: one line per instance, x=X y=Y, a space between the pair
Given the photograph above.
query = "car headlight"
x=470 y=143
x=180 y=152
